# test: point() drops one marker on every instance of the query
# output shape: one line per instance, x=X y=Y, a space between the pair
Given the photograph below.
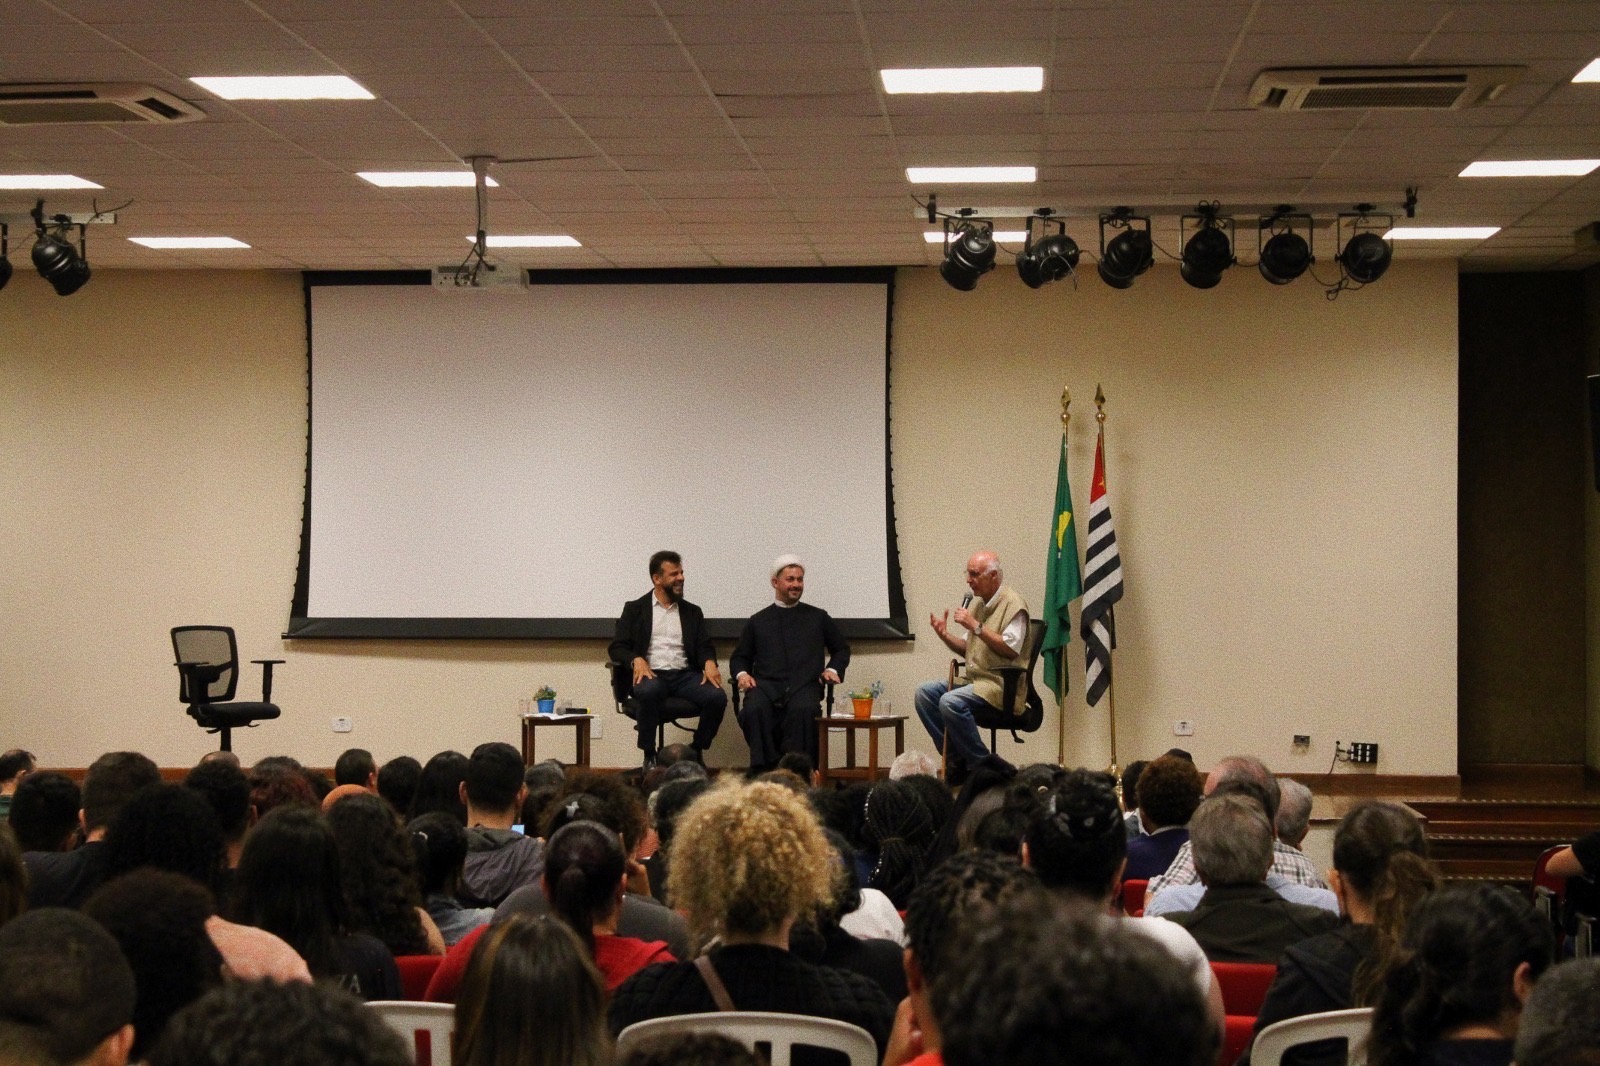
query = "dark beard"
x=673 y=595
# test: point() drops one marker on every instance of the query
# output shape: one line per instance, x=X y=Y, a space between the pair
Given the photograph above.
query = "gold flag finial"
x=1066 y=402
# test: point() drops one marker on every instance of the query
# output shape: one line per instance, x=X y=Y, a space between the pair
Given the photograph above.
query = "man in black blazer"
x=663 y=638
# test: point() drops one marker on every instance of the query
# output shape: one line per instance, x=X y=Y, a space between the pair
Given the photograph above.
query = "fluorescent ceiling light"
x=417 y=179
x=530 y=240
x=964 y=80
x=970 y=175
x=1442 y=233
x=188 y=242
x=316 y=87
x=1589 y=73
x=46 y=181
x=1530 y=168
x=1001 y=236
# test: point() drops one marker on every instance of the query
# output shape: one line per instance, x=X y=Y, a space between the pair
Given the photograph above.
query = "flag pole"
x=1061 y=661
x=1111 y=678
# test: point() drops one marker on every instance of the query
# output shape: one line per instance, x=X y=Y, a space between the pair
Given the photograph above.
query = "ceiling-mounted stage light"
x=1285 y=255
x=1128 y=254
x=5 y=249
x=1210 y=251
x=1365 y=254
x=968 y=251
x=66 y=268
x=1050 y=257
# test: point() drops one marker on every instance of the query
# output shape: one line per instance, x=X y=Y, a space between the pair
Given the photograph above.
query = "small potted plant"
x=862 y=699
x=545 y=697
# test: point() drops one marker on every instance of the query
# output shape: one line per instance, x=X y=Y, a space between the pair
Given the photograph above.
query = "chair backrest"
x=1351 y=1025
x=1244 y=985
x=425 y=1027
x=415 y=973
x=781 y=1032
x=1542 y=878
x=1133 y=891
x=1033 y=711
x=208 y=644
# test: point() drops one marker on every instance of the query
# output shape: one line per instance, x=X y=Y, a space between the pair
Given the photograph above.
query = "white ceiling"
x=748 y=133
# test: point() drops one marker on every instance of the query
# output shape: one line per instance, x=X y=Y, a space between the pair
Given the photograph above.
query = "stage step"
x=1499 y=840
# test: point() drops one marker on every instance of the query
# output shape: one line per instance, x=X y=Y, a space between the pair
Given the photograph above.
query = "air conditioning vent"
x=1387 y=88
x=63 y=103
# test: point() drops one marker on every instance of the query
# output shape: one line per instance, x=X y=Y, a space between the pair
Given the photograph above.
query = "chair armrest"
x=956 y=666
x=266 y=677
x=621 y=681
x=199 y=676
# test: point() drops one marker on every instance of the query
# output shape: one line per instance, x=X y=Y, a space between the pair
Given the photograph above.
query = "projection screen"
x=502 y=464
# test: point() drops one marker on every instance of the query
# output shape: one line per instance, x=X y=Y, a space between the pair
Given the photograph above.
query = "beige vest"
x=982 y=663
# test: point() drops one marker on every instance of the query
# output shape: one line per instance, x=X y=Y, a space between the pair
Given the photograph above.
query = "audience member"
x=227 y=789
x=378 y=875
x=1469 y=960
x=66 y=878
x=1380 y=872
x=690 y=1049
x=1561 y=1022
x=13 y=876
x=1240 y=918
x=685 y=770
x=321 y=784
x=1294 y=813
x=355 y=766
x=66 y=992
x=1040 y=982
x=935 y=796
x=1132 y=817
x=908 y=763
x=667 y=802
x=15 y=766
x=499 y=859
x=397 y=783
x=747 y=861
x=544 y=774
x=800 y=765
x=1003 y=829
x=585 y=877
x=288 y=884
x=263 y=1023
x=227 y=758
x=340 y=792
x=898 y=831
x=44 y=811
x=1168 y=791
x=439 y=787
x=440 y=845
x=823 y=940
x=531 y=997
x=672 y=754
x=159 y=920
x=274 y=784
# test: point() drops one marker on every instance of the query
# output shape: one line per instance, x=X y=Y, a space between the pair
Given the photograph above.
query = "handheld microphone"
x=966 y=601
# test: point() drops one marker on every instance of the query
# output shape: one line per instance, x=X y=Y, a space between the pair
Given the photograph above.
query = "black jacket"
x=632 y=638
x=1315 y=975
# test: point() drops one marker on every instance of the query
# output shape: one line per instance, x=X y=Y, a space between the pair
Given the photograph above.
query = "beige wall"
x=1282 y=469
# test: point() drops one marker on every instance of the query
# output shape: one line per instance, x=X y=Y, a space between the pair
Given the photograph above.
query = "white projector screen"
x=503 y=464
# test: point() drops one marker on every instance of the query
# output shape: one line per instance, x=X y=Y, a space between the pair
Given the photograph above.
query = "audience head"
x=1078 y=841
x=908 y=763
x=961 y=892
x=66 y=991
x=846 y=885
x=13 y=876
x=1004 y=829
x=1380 y=872
x=544 y=774
x=898 y=826
x=748 y=859
x=226 y=757
x=935 y=796
x=44 y=811
x=321 y=784
x=275 y=785
x=684 y=770
x=531 y=997
x=1232 y=841
x=800 y=765
x=439 y=843
x=343 y=792
x=170 y=828
x=439 y=787
x=288 y=884
x=787 y=778
x=584 y=869
x=15 y=765
x=1077 y=988
x=355 y=766
x=377 y=873
x=1130 y=783
x=672 y=754
x=1249 y=769
x=494 y=778
x=397 y=782
x=671 y=799
x=1168 y=792
x=603 y=798
x=1561 y=1023
x=227 y=789
x=690 y=1049
x=1038 y=777
x=111 y=781
x=1294 y=812
x=159 y=920
x=1469 y=956
x=264 y=1023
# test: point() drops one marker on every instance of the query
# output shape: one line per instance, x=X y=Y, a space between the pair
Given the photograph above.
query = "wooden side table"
x=850 y=771
x=580 y=730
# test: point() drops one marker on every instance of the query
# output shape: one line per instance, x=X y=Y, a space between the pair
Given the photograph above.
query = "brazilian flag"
x=1063 y=580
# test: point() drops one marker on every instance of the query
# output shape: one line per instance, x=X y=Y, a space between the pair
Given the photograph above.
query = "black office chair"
x=993 y=718
x=674 y=710
x=208 y=671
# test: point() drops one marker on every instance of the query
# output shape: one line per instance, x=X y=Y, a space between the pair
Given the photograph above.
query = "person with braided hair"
x=898 y=830
x=1454 y=996
x=1380 y=872
x=585 y=880
x=1077 y=845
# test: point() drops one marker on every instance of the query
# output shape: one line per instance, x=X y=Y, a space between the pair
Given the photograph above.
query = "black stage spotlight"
x=1210 y=251
x=1365 y=255
x=1285 y=255
x=5 y=248
x=968 y=252
x=1051 y=257
x=1128 y=254
x=66 y=268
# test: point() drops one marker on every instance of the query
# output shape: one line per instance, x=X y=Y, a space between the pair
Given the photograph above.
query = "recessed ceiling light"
x=964 y=80
x=423 y=179
x=1530 y=168
x=530 y=240
x=315 y=87
x=1001 y=236
x=1589 y=73
x=188 y=242
x=46 y=181
x=1442 y=233
x=970 y=175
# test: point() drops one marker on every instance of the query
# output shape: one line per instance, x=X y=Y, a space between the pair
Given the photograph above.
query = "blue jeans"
x=947 y=710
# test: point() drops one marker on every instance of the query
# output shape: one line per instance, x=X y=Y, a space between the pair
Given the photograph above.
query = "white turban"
x=782 y=562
